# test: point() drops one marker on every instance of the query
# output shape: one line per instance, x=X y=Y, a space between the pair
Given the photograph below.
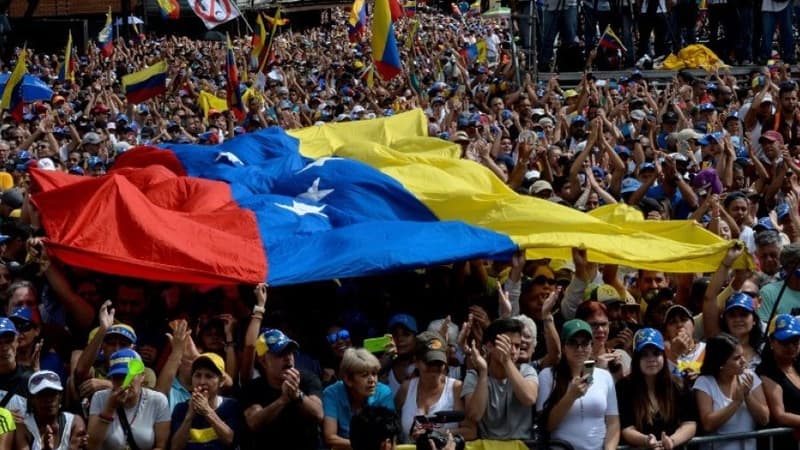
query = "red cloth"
x=122 y=222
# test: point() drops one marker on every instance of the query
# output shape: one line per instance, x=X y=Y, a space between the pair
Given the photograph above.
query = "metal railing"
x=769 y=433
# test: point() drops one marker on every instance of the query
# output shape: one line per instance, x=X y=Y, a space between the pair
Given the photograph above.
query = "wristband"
x=259 y=309
x=105 y=419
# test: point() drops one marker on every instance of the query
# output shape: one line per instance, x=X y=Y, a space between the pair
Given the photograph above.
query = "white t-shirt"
x=773 y=6
x=741 y=421
x=584 y=426
x=152 y=409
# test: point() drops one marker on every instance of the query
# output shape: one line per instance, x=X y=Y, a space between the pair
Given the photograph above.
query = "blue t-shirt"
x=201 y=434
x=336 y=404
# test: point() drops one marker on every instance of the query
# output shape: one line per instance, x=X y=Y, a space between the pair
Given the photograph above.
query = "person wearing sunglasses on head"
x=338 y=340
x=45 y=425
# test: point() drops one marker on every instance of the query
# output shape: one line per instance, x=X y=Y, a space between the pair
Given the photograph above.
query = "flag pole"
x=249 y=28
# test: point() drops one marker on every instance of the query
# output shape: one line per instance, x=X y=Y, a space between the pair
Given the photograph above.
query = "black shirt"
x=684 y=407
x=17 y=383
x=293 y=428
x=791 y=400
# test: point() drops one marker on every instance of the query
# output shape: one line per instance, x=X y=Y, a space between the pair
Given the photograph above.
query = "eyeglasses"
x=338 y=336
x=22 y=325
x=752 y=294
x=578 y=344
x=596 y=325
x=541 y=279
x=41 y=377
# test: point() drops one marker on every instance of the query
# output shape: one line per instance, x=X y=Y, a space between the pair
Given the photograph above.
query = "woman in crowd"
x=143 y=411
x=739 y=318
x=358 y=386
x=528 y=343
x=685 y=353
x=206 y=410
x=397 y=363
x=780 y=373
x=577 y=402
x=730 y=398
x=338 y=340
x=654 y=409
x=45 y=426
x=431 y=391
x=616 y=361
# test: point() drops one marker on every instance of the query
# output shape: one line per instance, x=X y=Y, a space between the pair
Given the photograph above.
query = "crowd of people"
x=538 y=350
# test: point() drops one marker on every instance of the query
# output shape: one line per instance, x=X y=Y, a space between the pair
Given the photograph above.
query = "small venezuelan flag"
x=384 y=43
x=66 y=71
x=145 y=84
x=234 y=97
x=12 y=93
x=610 y=40
x=169 y=9
x=105 y=39
x=357 y=21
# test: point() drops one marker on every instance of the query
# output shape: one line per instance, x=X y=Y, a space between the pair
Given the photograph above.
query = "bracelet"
x=105 y=419
x=257 y=316
x=549 y=319
x=259 y=309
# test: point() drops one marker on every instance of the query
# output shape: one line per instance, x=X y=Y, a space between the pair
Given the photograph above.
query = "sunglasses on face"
x=541 y=279
x=23 y=325
x=338 y=336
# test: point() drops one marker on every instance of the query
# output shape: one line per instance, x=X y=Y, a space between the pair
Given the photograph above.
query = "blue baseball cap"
x=622 y=150
x=577 y=119
x=740 y=300
x=782 y=211
x=7 y=326
x=118 y=363
x=764 y=223
x=405 y=320
x=25 y=313
x=784 y=327
x=708 y=138
x=274 y=341
x=647 y=166
x=630 y=185
x=707 y=107
x=647 y=336
x=77 y=170
x=121 y=329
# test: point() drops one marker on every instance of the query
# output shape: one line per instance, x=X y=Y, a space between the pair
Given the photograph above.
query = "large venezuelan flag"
x=12 y=100
x=146 y=83
x=363 y=198
x=384 y=43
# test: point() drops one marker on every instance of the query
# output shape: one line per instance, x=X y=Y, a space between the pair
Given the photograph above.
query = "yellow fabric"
x=7 y=423
x=695 y=56
x=6 y=181
x=202 y=435
x=456 y=189
x=209 y=101
x=481 y=444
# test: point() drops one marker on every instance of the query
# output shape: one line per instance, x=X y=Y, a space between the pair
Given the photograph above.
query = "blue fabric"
x=333 y=217
x=336 y=404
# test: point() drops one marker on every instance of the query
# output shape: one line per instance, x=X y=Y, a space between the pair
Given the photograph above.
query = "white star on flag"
x=229 y=158
x=317 y=163
x=314 y=193
x=301 y=209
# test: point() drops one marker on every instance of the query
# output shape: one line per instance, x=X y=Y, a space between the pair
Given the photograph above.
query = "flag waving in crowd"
x=610 y=40
x=66 y=72
x=214 y=12
x=234 y=96
x=258 y=45
x=12 y=93
x=357 y=21
x=384 y=42
x=170 y=9
x=105 y=39
x=145 y=84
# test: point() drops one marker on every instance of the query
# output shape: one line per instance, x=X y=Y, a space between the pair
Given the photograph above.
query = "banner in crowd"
x=363 y=198
x=214 y=12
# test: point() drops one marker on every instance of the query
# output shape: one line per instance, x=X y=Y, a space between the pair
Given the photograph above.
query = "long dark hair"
x=667 y=393
x=562 y=375
x=718 y=349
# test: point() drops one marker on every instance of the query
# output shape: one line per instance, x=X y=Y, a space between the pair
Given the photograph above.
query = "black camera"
x=433 y=433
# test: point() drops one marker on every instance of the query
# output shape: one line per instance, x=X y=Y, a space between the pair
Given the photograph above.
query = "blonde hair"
x=530 y=325
x=357 y=360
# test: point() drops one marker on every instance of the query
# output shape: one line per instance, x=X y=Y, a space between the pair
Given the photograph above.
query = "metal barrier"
x=697 y=441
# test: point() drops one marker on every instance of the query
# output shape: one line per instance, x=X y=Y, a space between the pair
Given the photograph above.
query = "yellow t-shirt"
x=7 y=424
